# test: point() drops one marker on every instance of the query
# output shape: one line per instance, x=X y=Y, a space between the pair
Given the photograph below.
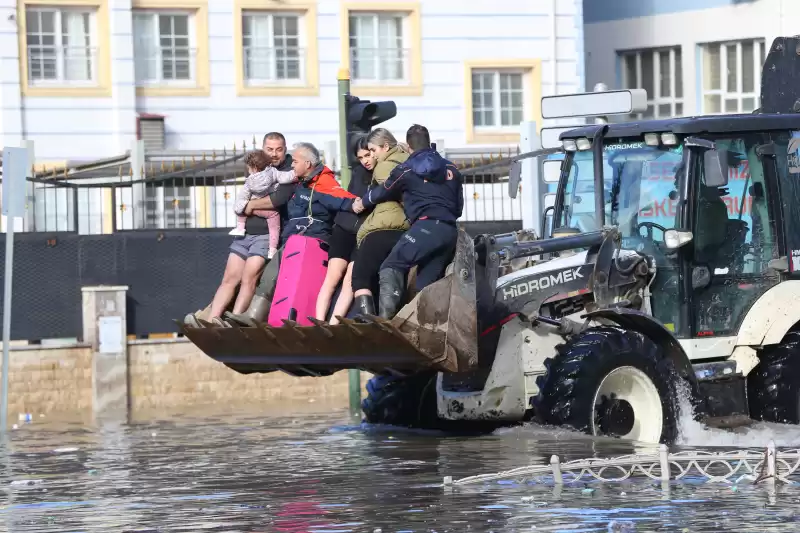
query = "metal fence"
x=197 y=190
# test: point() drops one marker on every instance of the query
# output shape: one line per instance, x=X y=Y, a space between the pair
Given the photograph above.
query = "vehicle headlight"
x=669 y=139
x=651 y=139
x=583 y=144
x=569 y=145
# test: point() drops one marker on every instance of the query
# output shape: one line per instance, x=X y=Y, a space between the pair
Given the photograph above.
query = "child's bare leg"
x=345 y=299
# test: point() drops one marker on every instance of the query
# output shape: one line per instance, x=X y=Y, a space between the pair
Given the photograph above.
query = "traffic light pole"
x=353 y=375
x=344 y=90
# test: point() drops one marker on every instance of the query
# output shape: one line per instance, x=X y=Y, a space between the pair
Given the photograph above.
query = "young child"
x=262 y=180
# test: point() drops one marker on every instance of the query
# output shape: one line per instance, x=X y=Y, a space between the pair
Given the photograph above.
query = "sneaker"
x=238 y=232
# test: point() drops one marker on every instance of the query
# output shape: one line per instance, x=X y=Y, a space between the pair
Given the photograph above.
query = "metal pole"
x=344 y=90
x=9 y=266
x=354 y=375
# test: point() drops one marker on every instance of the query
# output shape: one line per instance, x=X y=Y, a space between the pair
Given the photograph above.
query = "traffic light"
x=362 y=116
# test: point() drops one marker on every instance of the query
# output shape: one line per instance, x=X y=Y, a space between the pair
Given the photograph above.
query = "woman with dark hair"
x=384 y=225
x=343 y=240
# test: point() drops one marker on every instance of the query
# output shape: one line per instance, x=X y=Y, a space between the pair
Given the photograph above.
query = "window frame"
x=302 y=39
x=193 y=48
x=58 y=35
x=201 y=85
x=759 y=57
x=405 y=28
x=412 y=46
x=497 y=107
x=308 y=27
x=100 y=37
x=655 y=99
x=531 y=98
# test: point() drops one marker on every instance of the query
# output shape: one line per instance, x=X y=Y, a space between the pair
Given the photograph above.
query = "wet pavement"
x=326 y=473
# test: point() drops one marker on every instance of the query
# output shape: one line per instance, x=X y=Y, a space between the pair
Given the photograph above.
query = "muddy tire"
x=608 y=381
x=773 y=386
x=407 y=402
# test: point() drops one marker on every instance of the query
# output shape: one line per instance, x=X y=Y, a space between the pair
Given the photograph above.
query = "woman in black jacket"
x=343 y=241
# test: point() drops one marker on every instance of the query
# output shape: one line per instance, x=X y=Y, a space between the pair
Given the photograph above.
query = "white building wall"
x=10 y=99
x=453 y=32
x=765 y=19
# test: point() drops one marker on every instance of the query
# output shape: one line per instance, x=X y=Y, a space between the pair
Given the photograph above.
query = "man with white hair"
x=317 y=199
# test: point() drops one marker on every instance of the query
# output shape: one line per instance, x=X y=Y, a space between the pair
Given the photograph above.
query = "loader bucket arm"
x=437 y=330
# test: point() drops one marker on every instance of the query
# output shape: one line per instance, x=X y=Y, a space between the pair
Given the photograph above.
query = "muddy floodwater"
x=326 y=473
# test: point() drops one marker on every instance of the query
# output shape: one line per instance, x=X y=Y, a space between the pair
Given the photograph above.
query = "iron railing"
x=197 y=190
x=50 y=64
x=266 y=64
x=380 y=65
x=164 y=65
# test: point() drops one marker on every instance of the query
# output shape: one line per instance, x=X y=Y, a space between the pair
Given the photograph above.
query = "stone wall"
x=50 y=380
x=174 y=374
x=164 y=376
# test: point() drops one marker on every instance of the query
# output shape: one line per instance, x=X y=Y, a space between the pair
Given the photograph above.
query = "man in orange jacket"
x=317 y=199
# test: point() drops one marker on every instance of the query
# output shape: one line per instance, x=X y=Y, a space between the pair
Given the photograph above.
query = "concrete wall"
x=634 y=25
x=164 y=376
x=452 y=36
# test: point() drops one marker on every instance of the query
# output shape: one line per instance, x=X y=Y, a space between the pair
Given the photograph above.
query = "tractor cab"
x=709 y=199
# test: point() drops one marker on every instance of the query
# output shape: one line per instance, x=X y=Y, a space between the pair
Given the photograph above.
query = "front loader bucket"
x=437 y=330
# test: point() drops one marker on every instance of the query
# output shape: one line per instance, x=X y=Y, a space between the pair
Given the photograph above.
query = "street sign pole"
x=9 y=266
x=344 y=91
x=353 y=375
x=15 y=168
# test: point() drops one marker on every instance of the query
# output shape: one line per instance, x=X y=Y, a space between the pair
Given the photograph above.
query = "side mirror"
x=545 y=234
x=514 y=178
x=715 y=166
x=701 y=277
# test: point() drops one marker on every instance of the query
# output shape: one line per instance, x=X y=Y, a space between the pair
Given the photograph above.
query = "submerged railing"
x=715 y=467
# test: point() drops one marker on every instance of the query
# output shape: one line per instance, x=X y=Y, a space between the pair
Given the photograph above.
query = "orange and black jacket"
x=314 y=205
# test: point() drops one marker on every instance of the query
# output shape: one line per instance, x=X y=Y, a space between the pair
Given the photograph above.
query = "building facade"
x=84 y=78
x=691 y=56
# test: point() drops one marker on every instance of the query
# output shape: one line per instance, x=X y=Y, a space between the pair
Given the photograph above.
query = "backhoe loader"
x=669 y=288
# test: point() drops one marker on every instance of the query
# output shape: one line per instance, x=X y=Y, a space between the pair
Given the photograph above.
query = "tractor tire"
x=406 y=402
x=612 y=382
x=411 y=402
x=773 y=386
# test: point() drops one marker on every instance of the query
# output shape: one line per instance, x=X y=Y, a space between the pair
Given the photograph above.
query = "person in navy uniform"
x=432 y=192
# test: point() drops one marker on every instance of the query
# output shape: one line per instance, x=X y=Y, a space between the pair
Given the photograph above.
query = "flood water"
x=326 y=473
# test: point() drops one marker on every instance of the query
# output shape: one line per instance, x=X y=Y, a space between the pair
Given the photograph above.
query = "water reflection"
x=324 y=473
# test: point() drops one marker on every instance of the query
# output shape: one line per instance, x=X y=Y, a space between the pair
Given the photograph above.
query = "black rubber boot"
x=390 y=285
x=365 y=305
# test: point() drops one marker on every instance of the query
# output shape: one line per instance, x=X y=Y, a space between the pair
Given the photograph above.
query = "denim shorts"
x=251 y=246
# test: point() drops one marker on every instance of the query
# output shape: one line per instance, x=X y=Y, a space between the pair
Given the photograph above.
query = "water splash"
x=756 y=435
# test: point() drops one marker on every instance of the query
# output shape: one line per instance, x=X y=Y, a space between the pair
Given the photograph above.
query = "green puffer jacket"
x=386 y=215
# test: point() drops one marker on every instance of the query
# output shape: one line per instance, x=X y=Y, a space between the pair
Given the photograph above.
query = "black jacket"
x=360 y=179
x=430 y=187
x=255 y=225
